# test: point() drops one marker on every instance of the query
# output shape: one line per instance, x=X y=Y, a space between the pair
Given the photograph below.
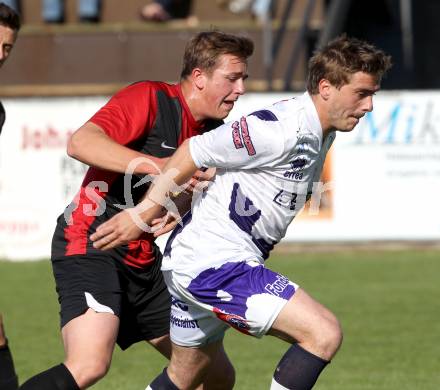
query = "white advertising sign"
x=37 y=178
x=382 y=181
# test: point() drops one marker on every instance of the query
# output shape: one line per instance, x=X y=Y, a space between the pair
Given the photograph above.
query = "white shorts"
x=243 y=295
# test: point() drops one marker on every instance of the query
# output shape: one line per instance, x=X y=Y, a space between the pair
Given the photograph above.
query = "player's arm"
x=129 y=224
x=103 y=142
x=215 y=148
x=183 y=201
x=92 y=146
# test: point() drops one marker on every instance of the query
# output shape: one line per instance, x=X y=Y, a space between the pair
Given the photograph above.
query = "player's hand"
x=201 y=179
x=118 y=230
x=164 y=225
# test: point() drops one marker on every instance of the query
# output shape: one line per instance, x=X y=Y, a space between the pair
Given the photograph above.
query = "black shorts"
x=139 y=297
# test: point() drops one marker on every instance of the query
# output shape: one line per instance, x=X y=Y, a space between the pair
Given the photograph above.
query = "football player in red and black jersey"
x=119 y=296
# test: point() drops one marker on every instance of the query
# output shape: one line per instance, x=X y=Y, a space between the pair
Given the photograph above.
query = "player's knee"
x=88 y=371
x=328 y=337
x=98 y=370
x=334 y=337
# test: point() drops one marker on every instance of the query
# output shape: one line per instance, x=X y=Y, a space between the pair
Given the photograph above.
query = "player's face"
x=224 y=85
x=7 y=40
x=352 y=101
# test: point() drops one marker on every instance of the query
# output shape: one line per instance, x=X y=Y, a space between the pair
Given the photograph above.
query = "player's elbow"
x=73 y=146
x=83 y=140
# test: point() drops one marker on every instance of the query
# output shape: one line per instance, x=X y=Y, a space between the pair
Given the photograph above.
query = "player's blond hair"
x=205 y=48
x=343 y=57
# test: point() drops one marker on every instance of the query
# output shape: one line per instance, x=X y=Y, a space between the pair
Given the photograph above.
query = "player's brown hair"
x=205 y=48
x=343 y=57
x=9 y=18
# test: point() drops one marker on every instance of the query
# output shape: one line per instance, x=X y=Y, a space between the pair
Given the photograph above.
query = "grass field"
x=388 y=304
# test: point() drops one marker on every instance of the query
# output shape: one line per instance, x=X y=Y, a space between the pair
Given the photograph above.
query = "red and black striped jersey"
x=150 y=117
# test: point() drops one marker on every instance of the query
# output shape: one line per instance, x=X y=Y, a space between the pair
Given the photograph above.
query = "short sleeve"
x=128 y=114
x=244 y=144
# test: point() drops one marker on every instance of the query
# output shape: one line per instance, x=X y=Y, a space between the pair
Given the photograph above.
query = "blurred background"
x=368 y=247
x=116 y=44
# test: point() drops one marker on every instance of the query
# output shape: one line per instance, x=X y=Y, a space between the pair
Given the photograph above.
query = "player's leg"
x=316 y=335
x=89 y=321
x=257 y=301
x=89 y=341
x=8 y=377
x=162 y=344
x=310 y=324
x=148 y=318
x=188 y=367
x=198 y=357
x=220 y=374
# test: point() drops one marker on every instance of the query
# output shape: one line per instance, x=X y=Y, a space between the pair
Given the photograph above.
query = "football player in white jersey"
x=267 y=164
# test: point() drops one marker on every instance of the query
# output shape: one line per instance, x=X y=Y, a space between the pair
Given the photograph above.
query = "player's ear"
x=324 y=87
x=199 y=78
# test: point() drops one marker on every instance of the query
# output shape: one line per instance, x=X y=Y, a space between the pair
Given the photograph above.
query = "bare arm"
x=129 y=224
x=196 y=186
x=92 y=146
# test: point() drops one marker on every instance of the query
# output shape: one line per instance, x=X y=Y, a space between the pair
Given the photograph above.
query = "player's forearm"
x=179 y=169
x=196 y=186
x=92 y=146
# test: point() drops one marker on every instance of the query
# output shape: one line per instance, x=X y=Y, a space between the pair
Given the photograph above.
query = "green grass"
x=388 y=304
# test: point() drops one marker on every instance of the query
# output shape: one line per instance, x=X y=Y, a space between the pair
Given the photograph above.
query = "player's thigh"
x=197 y=349
x=90 y=337
x=221 y=373
x=198 y=346
x=162 y=344
x=89 y=293
x=192 y=324
x=303 y=319
x=197 y=334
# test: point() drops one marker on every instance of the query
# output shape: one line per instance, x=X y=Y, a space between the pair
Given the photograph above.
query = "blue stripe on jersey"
x=264 y=246
x=243 y=212
x=185 y=221
x=265 y=115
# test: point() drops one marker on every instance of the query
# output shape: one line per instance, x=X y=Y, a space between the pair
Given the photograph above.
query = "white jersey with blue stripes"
x=266 y=164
